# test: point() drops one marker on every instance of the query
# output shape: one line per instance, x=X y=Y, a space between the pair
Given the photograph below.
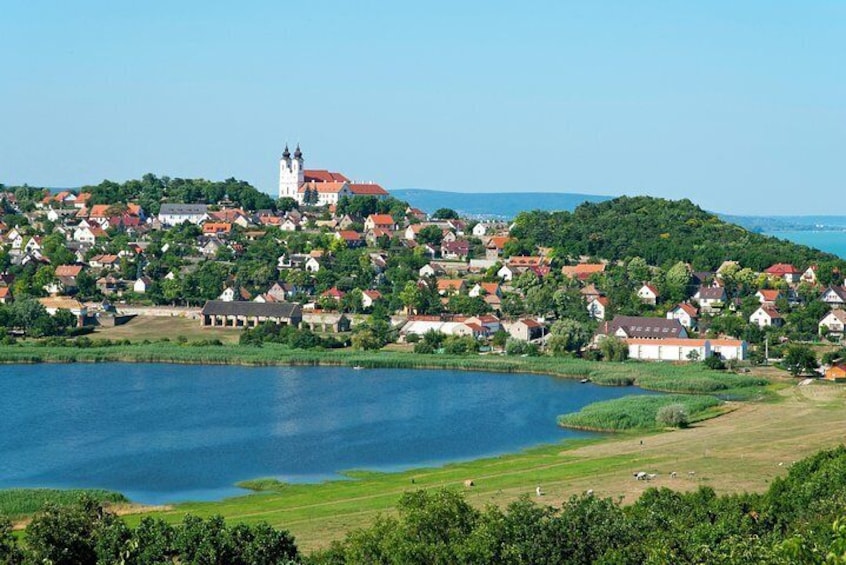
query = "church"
x=318 y=187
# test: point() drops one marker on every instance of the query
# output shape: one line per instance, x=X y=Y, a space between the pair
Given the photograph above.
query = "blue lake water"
x=831 y=241
x=167 y=433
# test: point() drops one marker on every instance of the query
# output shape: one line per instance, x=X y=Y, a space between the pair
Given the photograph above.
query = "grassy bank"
x=18 y=502
x=665 y=377
x=638 y=412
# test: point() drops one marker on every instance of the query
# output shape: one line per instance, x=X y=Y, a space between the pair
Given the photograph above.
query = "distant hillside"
x=788 y=223
x=660 y=231
x=493 y=204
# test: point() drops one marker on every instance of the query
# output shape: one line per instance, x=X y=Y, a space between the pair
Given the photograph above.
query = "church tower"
x=291 y=173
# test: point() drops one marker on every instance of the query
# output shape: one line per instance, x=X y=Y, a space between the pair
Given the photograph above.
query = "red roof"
x=323 y=187
x=782 y=269
x=770 y=295
x=381 y=219
x=68 y=270
x=322 y=175
x=349 y=235
x=5 y=292
x=368 y=189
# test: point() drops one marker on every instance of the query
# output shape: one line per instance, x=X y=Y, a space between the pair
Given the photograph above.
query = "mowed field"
x=156 y=327
x=740 y=451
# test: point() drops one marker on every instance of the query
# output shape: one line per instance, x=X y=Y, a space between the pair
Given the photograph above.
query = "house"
x=88 y=234
x=642 y=327
x=175 y=214
x=506 y=273
x=834 y=323
x=590 y=292
x=582 y=271
x=597 y=307
x=710 y=298
x=495 y=245
x=455 y=250
x=784 y=271
x=480 y=230
x=351 y=238
x=836 y=372
x=648 y=294
x=67 y=276
x=685 y=313
x=326 y=322
x=810 y=275
x=369 y=298
x=490 y=323
x=381 y=221
x=451 y=286
x=211 y=246
x=281 y=291
x=229 y=294
x=333 y=293
x=6 y=295
x=768 y=296
x=765 y=316
x=485 y=289
x=834 y=296
x=527 y=330
x=142 y=284
x=311 y=265
x=217 y=228
x=53 y=304
x=216 y=313
x=431 y=270
x=416 y=213
x=103 y=261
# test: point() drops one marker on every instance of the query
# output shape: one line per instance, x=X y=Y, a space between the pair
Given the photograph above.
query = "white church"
x=318 y=187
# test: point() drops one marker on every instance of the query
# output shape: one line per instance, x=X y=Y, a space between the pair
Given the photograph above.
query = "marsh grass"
x=18 y=502
x=637 y=412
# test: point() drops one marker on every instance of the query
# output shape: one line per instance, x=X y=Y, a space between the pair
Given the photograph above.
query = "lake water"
x=831 y=241
x=167 y=433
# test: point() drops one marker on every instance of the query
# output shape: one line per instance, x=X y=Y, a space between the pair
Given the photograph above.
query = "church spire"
x=286 y=154
x=297 y=153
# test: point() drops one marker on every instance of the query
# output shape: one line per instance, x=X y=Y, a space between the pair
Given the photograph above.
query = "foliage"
x=673 y=415
x=613 y=349
x=714 y=362
x=800 y=359
x=635 y=412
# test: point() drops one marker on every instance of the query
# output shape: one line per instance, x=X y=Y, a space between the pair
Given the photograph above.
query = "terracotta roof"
x=498 y=241
x=5 y=292
x=770 y=311
x=349 y=235
x=689 y=308
x=447 y=284
x=782 y=269
x=367 y=189
x=582 y=270
x=769 y=295
x=381 y=219
x=68 y=270
x=99 y=210
x=323 y=187
x=322 y=175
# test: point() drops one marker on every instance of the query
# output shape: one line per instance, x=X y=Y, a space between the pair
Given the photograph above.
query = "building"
x=648 y=294
x=642 y=327
x=784 y=271
x=685 y=313
x=175 y=214
x=685 y=349
x=217 y=313
x=836 y=372
x=318 y=187
x=834 y=323
x=765 y=316
x=527 y=330
x=710 y=298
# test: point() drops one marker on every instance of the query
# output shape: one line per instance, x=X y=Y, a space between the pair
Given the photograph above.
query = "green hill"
x=662 y=232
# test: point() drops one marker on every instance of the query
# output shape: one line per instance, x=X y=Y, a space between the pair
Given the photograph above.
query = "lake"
x=168 y=433
x=831 y=241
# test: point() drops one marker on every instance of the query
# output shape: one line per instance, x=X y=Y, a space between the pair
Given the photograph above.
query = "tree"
x=799 y=360
x=676 y=280
x=445 y=214
x=433 y=235
x=568 y=336
x=366 y=340
x=613 y=349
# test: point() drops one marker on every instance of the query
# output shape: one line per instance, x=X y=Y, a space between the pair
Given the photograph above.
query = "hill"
x=661 y=232
x=493 y=204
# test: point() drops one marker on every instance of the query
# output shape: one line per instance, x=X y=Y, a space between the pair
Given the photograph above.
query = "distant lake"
x=831 y=241
x=167 y=433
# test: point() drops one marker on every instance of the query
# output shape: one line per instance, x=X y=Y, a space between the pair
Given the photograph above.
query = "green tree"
x=568 y=336
x=800 y=359
x=613 y=349
x=445 y=214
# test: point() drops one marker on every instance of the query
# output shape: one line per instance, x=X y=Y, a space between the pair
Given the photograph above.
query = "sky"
x=738 y=106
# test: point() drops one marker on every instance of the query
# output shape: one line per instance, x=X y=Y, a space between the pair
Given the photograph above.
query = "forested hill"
x=492 y=204
x=661 y=232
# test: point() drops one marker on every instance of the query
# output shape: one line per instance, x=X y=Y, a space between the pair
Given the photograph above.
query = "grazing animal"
x=691 y=473
x=640 y=475
x=589 y=492
x=673 y=475
x=539 y=491
x=650 y=476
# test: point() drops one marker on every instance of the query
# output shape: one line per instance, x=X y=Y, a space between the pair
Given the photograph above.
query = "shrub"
x=673 y=415
x=714 y=362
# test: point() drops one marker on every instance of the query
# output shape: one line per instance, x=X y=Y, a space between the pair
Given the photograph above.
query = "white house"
x=175 y=214
x=685 y=349
x=480 y=230
x=228 y=294
x=710 y=298
x=597 y=307
x=311 y=265
x=834 y=296
x=142 y=285
x=685 y=313
x=834 y=322
x=648 y=294
x=505 y=273
x=765 y=316
x=369 y=298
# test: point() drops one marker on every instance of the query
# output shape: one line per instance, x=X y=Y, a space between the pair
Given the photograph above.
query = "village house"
x=784 y=271
x=6 y=295
x=648 y=294
x=711 y=299
x=685 y=349
x=527 y=330
x=810 y=275
x=765 y=316
x=455 y=250
x=483 y=289
x=582 y=271
x=597 y=307
x=381 y=221
x=590 y=292
x=834 y=296
x=142 y=284
x=833 y=323
x=369 y=298
x=768 y=296
x=451 y=286
x=175 y=214
x=495 y=245
x=642 y=327
x=836 y=372
x=352 y=239
x=506 y=273
x=685 y=313
x=53 y=304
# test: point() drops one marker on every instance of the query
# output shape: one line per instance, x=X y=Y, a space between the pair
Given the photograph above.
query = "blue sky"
x=739 y=106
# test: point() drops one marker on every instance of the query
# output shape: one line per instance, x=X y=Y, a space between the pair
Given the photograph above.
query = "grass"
x=262 y=484
x=637 y=412
x=154 y=327
x=17 y=503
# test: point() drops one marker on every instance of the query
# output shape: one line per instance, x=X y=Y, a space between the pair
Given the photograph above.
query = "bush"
x=714 y=362
x=673 y=415
x=424 y=348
